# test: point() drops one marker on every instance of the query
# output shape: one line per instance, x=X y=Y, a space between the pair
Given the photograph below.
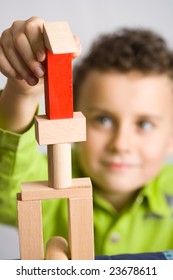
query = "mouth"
x=119 y=166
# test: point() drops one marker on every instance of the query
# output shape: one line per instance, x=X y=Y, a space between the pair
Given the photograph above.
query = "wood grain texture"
x=59 y=166
x=57 y=249
x=30 y=230
x=40 y=190
x=60 y=131
x=59 y=38
x=81 y=235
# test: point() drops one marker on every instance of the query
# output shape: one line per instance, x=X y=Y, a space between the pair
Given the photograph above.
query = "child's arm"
x=22 y=55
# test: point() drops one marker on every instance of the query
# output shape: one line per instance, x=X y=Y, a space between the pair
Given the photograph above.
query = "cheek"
x=154 y=154
x=94 y=143
x=152 y=157
x=86 y=157
x=90 y=150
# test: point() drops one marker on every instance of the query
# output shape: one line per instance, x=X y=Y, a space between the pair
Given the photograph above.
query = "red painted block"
x=58 y=86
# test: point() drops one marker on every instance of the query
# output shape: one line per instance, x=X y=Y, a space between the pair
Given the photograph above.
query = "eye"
x=102 y=121
x=145 y=125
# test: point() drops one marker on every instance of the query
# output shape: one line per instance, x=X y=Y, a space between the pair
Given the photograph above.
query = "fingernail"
x=32 y=81
x=40 y=56
x=39 y=72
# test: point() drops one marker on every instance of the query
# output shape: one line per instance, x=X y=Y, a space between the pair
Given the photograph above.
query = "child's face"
x=129 y=128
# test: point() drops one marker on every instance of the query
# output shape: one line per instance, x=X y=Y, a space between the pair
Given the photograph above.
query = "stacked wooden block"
x=58 y=129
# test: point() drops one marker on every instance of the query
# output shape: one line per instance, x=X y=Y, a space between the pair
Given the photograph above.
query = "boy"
x=124 y=88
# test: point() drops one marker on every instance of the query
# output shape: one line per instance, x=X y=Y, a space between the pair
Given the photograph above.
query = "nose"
x=121 y=140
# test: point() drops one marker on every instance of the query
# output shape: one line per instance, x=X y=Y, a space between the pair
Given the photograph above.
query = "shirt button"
x=115 y=237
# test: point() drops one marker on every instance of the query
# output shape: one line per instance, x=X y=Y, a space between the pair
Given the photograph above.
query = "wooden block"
x=81 y=187
x=60 y=131
x=57 y=249
x=30 y=230
x=81 y=235
x=58 y=86
x=59 y=166
x=59 y=38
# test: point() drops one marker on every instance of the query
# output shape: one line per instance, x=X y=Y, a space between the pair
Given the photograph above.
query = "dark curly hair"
x=124 y=51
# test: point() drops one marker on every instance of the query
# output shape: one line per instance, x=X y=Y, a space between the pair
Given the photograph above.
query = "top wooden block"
x=59 y=38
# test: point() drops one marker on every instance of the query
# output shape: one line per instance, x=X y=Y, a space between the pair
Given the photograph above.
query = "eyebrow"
x=150 y=116
x=90 y=109
x=138 y=116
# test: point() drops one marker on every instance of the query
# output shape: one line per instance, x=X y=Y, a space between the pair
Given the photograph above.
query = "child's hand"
x=22 y=57
x=22 y=51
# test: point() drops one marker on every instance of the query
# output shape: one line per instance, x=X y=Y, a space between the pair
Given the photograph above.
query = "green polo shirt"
x=145 y=226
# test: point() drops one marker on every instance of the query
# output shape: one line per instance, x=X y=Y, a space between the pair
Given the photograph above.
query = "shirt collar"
x=155 y=195
x=151 y=193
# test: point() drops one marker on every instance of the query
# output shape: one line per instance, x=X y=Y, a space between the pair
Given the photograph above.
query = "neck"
x=119 y=201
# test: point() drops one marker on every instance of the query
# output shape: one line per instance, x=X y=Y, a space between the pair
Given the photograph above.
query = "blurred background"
x=87 y=19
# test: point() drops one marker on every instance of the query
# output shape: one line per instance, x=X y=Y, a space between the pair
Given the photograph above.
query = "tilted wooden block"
x=50 y=132
x=40 y=190
x=59 y=38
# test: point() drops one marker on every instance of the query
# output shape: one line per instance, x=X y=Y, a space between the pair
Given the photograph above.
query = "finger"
x=21 y=33
x=6 y=68
x=79 y=46
x=28 y=62
x=17 y=64
x=34 y=32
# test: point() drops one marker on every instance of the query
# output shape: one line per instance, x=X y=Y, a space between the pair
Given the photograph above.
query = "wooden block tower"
x=58 y=129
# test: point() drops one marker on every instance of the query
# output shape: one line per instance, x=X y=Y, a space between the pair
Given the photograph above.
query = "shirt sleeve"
x=20 y=161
